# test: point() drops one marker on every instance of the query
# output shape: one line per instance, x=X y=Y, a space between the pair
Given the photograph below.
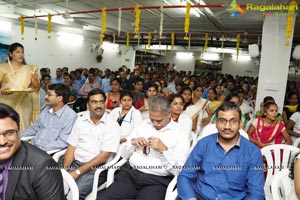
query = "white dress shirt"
x=90 y=139
x=168 y=163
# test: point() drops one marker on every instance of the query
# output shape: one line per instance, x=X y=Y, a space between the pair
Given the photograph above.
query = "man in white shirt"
x=160 y=151
x=93 y=140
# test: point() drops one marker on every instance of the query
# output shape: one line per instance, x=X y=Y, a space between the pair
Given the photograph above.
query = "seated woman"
x=293 y=125
x=267 y=130
x=189 y=108
x=267 y=99
x=205 y=114
x=113 y=97
x=214 y=102
x=142 y=104
x=291 y=107
x=138 y=90
x=127 y=116
x=183 y=120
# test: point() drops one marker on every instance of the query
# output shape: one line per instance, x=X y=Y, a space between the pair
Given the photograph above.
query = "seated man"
x=223 y=165
x=161 y=148
x=95 y=136
x=54 y=124
x=24 y=169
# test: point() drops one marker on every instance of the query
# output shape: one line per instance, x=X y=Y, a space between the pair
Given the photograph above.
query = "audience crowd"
x=154 y=116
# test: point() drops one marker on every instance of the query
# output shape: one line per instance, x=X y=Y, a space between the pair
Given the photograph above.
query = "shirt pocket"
x=237 y=176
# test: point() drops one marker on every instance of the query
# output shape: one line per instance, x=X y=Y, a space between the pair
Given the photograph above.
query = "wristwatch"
x=77 y=171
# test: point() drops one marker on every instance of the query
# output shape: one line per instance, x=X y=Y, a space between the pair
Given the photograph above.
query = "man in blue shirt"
x=54 y=124
x=223 y=165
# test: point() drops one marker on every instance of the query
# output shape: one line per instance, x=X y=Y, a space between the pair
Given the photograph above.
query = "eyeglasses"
x=146 y=150
x=94 y=102
x=232 y=122
x=51 y=95
x=9 y=133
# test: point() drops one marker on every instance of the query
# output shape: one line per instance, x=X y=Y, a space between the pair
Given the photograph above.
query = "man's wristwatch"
x=77 y=171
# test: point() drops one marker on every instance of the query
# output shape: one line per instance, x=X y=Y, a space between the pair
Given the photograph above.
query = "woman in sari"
x=142 y=104
x=20 y=86
x=214 y=102
x=267 y=130
x=183 y=120
x=197 y=100
x=113 y=97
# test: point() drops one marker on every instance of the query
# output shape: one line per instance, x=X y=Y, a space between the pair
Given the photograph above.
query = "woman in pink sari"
x=267 y=130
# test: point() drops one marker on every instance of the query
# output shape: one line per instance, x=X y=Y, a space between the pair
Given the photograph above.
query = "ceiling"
x=216 y=21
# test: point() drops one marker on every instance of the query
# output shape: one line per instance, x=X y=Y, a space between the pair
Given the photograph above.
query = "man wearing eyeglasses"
x=223 y=165
x=160 y=150
x=26 y=172
x=94 y=138
x=54 y=124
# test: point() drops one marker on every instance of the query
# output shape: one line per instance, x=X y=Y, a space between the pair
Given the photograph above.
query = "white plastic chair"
x=278 y=157
x=70 y=186
x=28 y=139
x=93 y=194
x=109 y=165
x=283 y=186
x=171 y=193
x=297 y=141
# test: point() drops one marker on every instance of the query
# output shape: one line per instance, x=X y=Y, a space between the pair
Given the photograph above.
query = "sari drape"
x=268 y=134
x=26 y=104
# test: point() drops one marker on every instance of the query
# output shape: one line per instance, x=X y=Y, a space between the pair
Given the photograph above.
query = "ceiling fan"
x=67 y=15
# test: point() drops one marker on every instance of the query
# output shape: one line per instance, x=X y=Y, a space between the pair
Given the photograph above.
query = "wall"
x=241 y=68
x=186 y=64
x=55 y=53
x=230 y=66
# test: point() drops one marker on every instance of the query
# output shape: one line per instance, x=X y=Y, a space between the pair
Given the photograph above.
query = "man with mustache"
x=26 y=172
x=223 y=165
x=160 y=150
x=93 y=140
x=54 y=124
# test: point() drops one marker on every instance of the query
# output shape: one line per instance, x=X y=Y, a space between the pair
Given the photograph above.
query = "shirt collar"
x=87 y=116
x=59 y=112
x=238 y=142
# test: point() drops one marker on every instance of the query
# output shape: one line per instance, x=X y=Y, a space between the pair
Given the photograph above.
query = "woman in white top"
x=183 y=120
x=127 y=115
x=293 y=125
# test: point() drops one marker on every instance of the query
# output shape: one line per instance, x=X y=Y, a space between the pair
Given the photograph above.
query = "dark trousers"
x=133 y=184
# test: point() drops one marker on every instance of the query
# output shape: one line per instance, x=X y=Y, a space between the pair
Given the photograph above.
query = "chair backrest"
x=278 y=157
x=171 y=192
x=70 y=186
x=283 y=186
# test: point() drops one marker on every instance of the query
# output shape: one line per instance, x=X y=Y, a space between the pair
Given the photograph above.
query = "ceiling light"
x=211 y=56
x=5 y=26
x=184 y=55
